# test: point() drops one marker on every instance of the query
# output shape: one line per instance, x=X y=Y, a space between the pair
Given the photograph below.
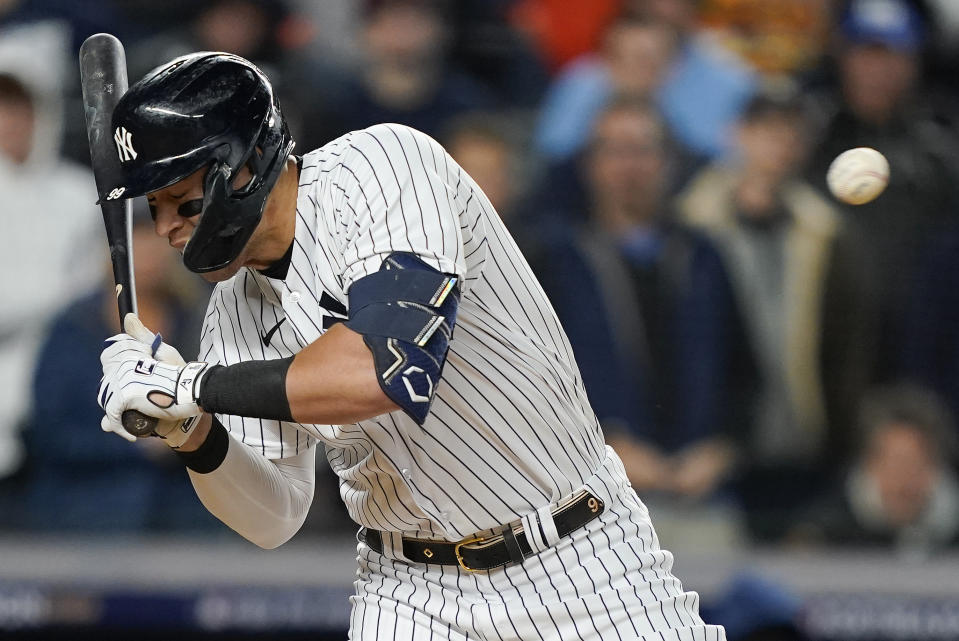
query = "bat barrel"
x=103 y=76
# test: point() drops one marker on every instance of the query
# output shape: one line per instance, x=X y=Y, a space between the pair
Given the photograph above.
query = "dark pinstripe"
x=510 y=395
x=565 y=593
x=510 y=429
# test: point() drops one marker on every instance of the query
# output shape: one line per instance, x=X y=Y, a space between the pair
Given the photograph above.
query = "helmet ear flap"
x=225 y=226
x=259 y=160
x=215 y=184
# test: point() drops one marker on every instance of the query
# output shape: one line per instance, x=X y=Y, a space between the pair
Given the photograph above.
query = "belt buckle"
x=459 y=557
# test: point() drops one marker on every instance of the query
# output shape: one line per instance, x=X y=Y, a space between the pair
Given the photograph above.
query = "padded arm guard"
x=406 y=313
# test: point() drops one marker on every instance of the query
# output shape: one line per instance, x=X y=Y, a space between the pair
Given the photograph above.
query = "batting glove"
x=159 y=350
x=165 y=391
x=139 y=342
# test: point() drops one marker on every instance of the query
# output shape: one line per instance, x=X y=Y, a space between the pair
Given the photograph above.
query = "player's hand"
x=137 y=341
x=646 y=467
x=116 y=349
x=701 y=467
x=159 y=350
x=146 y=385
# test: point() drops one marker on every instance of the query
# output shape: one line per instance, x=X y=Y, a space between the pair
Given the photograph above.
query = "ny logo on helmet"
x=124 y=140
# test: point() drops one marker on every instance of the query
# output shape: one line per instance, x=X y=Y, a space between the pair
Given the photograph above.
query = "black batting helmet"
x=212 y=110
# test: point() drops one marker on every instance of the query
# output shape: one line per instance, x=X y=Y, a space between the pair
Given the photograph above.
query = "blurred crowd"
x=755 y=350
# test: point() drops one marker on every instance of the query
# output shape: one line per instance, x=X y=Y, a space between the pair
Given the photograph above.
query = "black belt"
x=507 y=545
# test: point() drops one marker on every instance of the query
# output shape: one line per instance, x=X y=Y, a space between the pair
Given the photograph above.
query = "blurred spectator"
x=633 y=62
x=73 y=22
x=707 y=87
x=80 y=477
x=794 y=277
x=272 y=36
x=336 y=26
x=51 y=224
x=648 y=310
x=930 y=342
x=682 y=15
x=633 y=59
x=755 y=608
x=901 y=492
x=406 y=76
x=481 y=143
x=775 y=36
x=488 y=47
x=940 y=54
x=248 y=28
x=79 y=19
x=699 y=89
x=945 y=14
x=562 y=30
x=878 y=104
x=487 y=146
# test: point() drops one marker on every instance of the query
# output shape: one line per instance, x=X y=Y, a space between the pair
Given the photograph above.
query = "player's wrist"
x=206 y=448
x=196 y=436
x=186 y=433
x=176 y=433
x=255 y=389
x=189 y=381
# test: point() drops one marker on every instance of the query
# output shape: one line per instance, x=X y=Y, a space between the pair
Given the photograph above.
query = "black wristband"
x=256 y=389
x=211 y=452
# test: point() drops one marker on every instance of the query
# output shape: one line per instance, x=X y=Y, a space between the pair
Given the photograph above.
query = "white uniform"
x=510 y=430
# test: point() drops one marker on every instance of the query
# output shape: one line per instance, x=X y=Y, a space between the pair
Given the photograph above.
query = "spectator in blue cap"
x=893 y=23
x=879 y=102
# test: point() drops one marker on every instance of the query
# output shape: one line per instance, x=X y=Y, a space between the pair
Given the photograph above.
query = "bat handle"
x=138 y=424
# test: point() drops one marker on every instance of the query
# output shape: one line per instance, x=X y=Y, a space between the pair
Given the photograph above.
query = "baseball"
x=858 y=175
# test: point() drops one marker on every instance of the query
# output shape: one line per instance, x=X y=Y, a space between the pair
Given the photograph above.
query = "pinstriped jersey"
x=510 y=429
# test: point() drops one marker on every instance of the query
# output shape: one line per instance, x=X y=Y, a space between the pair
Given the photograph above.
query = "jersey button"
x=294 y=297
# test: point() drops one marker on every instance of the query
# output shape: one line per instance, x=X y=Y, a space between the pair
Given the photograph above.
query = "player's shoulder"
x=393 y=130
x=382 y=140
x=364 y=154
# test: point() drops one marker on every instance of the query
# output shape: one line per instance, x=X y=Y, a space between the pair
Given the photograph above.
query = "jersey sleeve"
x=393 y=191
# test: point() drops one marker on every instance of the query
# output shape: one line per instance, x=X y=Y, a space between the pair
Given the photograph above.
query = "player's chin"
x=220 y=275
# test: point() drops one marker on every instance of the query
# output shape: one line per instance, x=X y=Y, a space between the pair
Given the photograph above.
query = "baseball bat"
x=103 y=76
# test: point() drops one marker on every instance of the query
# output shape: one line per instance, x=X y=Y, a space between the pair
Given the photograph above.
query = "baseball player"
x=369 y=297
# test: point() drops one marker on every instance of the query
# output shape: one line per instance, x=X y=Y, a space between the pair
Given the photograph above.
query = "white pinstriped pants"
x=609 y=580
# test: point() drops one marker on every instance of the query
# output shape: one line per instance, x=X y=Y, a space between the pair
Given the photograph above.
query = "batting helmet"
x=212 y=110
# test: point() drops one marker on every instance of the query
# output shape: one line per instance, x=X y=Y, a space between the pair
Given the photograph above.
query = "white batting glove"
x=167 y=392
x=117 y=348
x=160 y=350
x=139 y=342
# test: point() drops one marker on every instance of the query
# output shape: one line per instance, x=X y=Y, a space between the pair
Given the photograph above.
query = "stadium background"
x=779 y=372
